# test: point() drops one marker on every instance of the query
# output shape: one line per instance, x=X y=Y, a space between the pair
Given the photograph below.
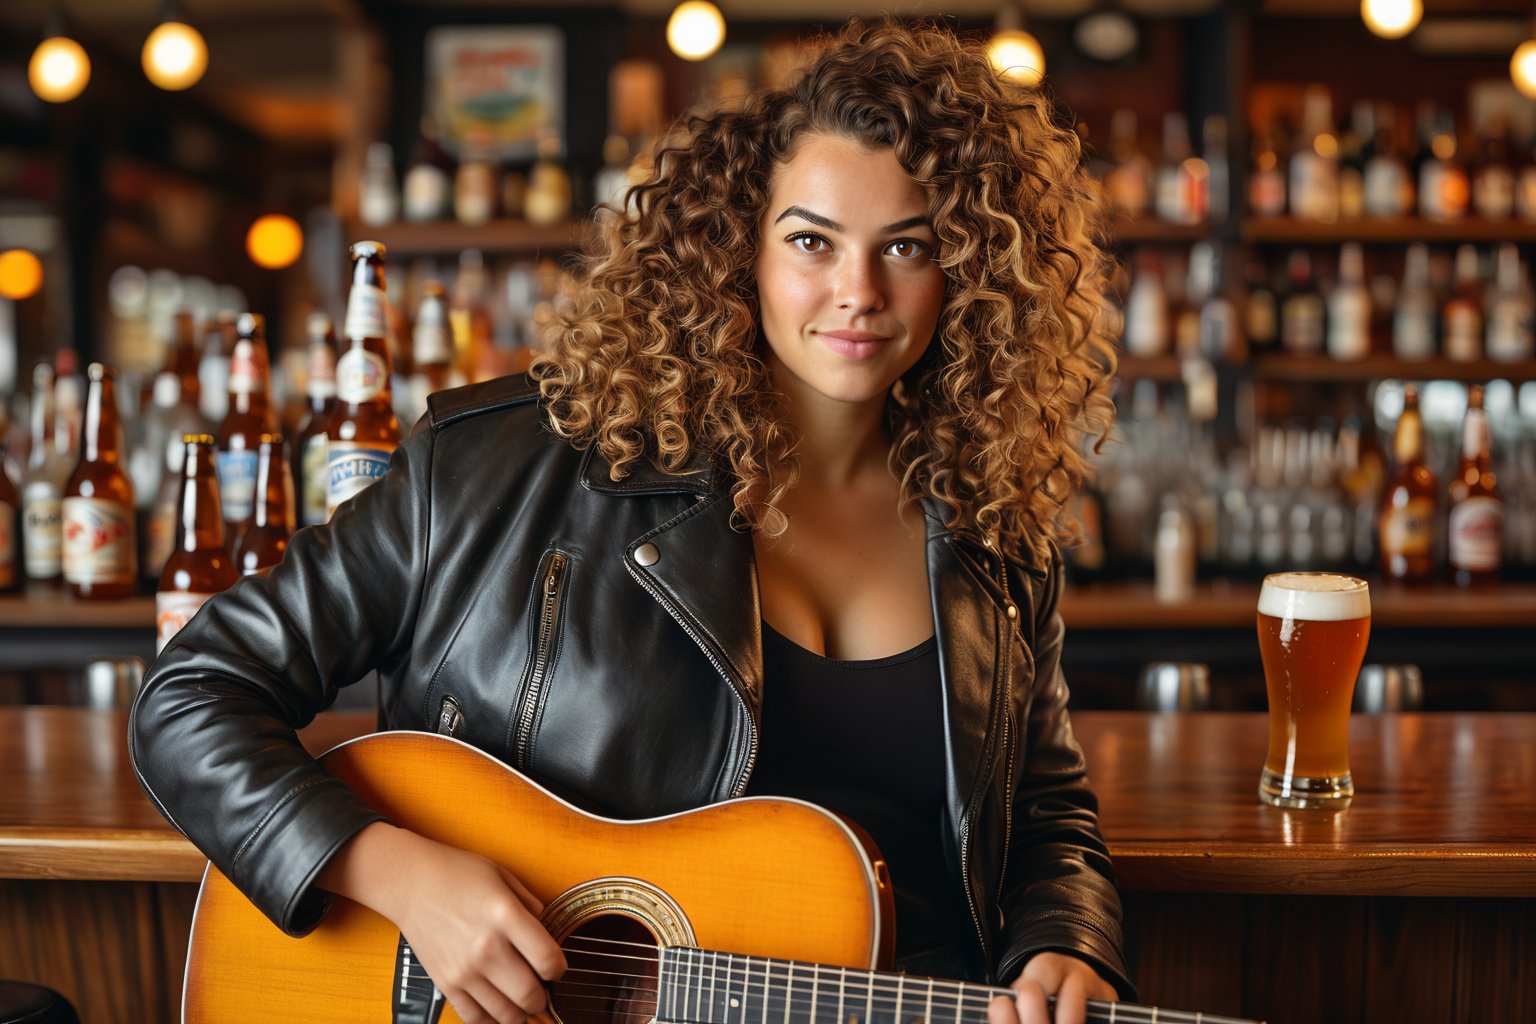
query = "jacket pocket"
x=548 y=604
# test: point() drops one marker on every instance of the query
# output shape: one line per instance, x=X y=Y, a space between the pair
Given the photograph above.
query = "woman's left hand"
x=1070 y=980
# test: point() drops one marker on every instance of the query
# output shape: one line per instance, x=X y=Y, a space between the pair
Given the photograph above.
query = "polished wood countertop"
x=1445 y=804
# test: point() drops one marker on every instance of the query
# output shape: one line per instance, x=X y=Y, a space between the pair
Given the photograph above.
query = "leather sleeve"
x=212 y=733
x=1058 y=891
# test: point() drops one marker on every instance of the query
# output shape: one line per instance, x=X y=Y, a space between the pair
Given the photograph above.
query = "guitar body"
x=760 y=877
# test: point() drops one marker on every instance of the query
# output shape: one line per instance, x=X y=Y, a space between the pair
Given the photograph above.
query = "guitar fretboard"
x=702 y=986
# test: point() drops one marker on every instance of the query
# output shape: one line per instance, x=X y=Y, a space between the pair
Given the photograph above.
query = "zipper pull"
x=552 y=581
x=449 y=718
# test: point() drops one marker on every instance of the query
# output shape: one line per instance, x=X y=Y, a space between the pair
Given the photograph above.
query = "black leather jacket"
x=604 y=637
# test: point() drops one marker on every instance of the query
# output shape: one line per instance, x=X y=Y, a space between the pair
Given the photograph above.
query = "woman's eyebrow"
x=921 y=220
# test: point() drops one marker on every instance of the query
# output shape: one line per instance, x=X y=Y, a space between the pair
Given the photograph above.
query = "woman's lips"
x=853 y=344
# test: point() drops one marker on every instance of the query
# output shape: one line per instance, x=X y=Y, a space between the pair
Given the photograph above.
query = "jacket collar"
x=700 y=477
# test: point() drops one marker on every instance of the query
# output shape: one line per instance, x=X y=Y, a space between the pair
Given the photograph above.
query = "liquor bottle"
x=1408 y=503
x=474 y=184
x=261 y=544
x=1349 y=308
x=1180 y=188
x=99 y=544
x=171 y=418
x=1525 y=182
x=431 y=345
x=1462 y=317
x=1389 y=190
x=1314 y=172
x=309 y=449
x=213 y=368
x=1266 y=181
x=1218 y=170
x=1477 y=509
x=1146 y=309
x=68 y=406
x=42 y=489
x=548 y=201
x=1129 y=181
x=1219 y=337
x=198 y=566
x=1303 y=314
x=182 y=357
x=1417 y=314
x=1262 y=315
x=470 y=319
x=363 y=431
x=378 y=200
x=250 y=415
x=427 y=183
x=612 y=183
x=11 y=557
x=1354 y=145
x=1511 y=338
x=1493 y=174
x=1444 y=189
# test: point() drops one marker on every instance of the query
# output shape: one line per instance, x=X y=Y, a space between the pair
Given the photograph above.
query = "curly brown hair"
x=658 y=355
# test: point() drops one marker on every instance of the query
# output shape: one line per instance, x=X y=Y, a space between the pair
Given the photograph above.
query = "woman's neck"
x=838 y=442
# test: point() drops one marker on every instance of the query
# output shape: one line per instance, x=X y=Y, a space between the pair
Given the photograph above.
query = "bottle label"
x=350 y=467
x=237 y=483
x=1493 y=193
x=1463 y=332
x=322 y=372
x=244 y=369
x=98 y=541
x=316 y=481
x=1511 y=332
x=174 y=609
x=42 y=532
x=1301 y=323
x=1266 y=191
x=1477 y=534
x=360 y=376
x=1475 y=436
x=1413 y=334
x=1350 y=337
x=8 y=516
x=431 y=343
x=365 y=314
x=1408 y=529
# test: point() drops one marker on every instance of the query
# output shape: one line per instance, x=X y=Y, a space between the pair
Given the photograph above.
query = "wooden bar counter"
x=1417 y=903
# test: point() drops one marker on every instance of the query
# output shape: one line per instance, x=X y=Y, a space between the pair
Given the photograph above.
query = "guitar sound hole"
x=610 y=978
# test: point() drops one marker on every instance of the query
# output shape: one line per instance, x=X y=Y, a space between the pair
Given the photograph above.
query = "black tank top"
x=866 y=739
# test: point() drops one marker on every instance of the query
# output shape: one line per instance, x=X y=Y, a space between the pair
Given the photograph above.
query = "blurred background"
x=1324 y=215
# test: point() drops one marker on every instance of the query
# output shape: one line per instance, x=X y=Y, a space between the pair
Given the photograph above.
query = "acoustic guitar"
x=752 y=911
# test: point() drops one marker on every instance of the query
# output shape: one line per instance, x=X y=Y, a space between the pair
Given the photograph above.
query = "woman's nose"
x=860 y=287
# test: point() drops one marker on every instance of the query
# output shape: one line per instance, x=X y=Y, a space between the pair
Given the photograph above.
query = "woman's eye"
x=809 y=243
x=907 y=248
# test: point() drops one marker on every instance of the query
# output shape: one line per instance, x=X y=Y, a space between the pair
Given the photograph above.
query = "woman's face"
x=847 y=273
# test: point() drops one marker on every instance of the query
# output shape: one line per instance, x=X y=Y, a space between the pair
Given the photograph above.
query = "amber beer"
x=198 y=566
x=100 y=553
x=309 y=469
x=363 y=432
x=1313 y=627
x=250 y=415
x=262 y=543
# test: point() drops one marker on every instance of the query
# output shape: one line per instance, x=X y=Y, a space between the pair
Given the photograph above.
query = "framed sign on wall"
x=498 y=88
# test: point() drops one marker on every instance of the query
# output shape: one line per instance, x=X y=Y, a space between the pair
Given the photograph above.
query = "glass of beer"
x=1313 y=627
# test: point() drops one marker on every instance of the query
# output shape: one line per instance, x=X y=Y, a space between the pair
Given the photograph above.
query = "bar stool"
x=1389 y=688
x=1174 y=686
x=21 y=1003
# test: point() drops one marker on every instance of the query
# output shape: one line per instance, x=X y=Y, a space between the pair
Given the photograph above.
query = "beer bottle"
x=363 y=431
x=198 y=566
x=1477 y=508
x=261 y=544
x=99 y=545
x=42 y=489
x=213 y=368
x=431 y=349
x=1408 y=505
x=10 y=530
x=182 y=357
x=250 y=416
x=309 y=449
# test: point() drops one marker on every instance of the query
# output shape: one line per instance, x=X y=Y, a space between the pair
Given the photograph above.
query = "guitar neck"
x=702 y=986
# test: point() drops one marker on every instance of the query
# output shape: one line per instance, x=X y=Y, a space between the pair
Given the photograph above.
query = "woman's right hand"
x=472 y=925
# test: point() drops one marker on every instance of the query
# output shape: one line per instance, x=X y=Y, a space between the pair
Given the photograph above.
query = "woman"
x=776 y=516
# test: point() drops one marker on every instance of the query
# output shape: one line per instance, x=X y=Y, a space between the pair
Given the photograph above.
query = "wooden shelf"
x=1150 y=231
x=497 y=237
x=48 y=608
x=1393 y=231
x=1379 y=366
x=1163 y=369
x=1233 y=606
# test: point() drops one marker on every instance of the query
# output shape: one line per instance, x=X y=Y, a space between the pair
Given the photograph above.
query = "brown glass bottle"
x=250 y=415
x=198 y=567
x=10 y=530
x=309 y=471
x=42 y=489
x=261 y=544
x=100 y=552
x=1477 y=509
x=363 y=432
x=182 y=357
x=1408 y=504
x=432 y=341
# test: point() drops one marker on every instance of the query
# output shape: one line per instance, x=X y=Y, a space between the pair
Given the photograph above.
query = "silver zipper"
x=549 y=615
x=449 y=717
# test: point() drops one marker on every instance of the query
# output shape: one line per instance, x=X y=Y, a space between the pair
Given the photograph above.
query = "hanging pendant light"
x=1014 y=53
x=1391 y=19
x=175 y=55
x=695 y=30
x=59 y=68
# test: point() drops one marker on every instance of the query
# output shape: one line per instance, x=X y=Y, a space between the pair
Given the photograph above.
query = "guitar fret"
x=842 y=986
x=928 y=1004
x=815 y=975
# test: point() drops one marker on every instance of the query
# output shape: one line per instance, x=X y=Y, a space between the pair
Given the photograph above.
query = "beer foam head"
x=1318 y=596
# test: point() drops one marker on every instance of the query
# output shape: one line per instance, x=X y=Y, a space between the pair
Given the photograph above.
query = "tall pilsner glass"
x=1313 y=627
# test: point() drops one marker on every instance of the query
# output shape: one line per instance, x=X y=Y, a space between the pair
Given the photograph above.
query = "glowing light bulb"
x=175 y=56
x=21 y=274
x=695 y=30
x=274 y=241
x=1522 y=68
x=59 y=69
x=1017 y=56
x=1391 y=19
